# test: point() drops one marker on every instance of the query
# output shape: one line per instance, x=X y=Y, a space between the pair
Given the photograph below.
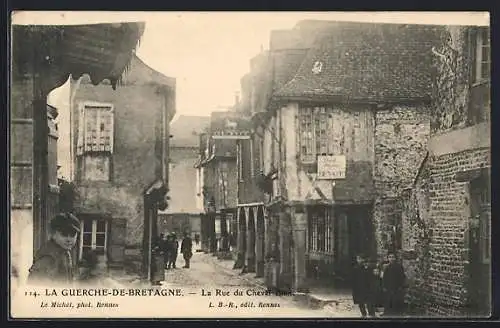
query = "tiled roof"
x=368 y=61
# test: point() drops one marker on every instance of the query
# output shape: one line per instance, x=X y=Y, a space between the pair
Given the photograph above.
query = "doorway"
x=480 y=247
x=354 y=234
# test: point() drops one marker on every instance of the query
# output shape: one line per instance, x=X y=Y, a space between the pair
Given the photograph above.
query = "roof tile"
x=368 y=61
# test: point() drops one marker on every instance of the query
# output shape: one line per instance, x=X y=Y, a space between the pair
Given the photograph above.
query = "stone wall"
x=133 y=159
x=401 y=136
x=454 y=82
x=416 y=237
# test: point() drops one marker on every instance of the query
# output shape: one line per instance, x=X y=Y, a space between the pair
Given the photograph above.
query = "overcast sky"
x=209 y=52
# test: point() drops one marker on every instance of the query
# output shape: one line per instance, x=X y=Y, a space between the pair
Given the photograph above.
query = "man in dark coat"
x=173 y=249
x=361 y=281
x=53 y=264
x=164 y=249
x=187 y=249
x=393 y=281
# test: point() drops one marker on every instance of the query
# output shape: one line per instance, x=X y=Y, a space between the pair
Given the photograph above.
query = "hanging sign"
x=331 y=167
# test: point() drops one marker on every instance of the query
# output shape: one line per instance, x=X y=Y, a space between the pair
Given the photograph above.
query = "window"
x=252 y=154
x=93 y=236
x=483 y=55
x=223 y=183
x=485 y=226
x=482 y=191
x=239 y=150
x=96 y=128
x=320 y=132
x=95 y=141
x=321 y=229
x=261 y=153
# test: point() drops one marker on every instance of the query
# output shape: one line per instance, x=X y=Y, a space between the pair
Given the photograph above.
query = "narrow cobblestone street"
x=205 y=274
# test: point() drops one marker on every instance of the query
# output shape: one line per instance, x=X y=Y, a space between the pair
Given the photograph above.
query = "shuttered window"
x=96 y=128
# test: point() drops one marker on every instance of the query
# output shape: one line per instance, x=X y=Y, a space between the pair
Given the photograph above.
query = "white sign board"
x=331 y=167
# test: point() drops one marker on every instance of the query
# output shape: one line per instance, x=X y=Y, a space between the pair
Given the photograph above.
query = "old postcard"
x=250 y=165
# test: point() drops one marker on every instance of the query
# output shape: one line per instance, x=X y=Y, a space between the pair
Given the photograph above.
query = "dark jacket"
x=394 y=277
x=52 y=265
x=187 y=245
x=361 y=278
x=174 y=247
x=376 y=296
x=163 y=245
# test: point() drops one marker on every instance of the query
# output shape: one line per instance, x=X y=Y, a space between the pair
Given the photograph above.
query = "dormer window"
x=317 y=67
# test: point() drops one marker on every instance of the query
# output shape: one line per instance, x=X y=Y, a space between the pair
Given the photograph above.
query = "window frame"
x=83 y=132
x=321 y=220
x=94 y=233
x=478 y=58
x=239 y=158
x=316 y=131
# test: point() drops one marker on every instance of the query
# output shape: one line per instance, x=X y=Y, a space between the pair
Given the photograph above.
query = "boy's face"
x=65 y=239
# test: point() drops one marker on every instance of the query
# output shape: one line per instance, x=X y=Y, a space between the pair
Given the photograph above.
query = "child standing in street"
x=376 y=289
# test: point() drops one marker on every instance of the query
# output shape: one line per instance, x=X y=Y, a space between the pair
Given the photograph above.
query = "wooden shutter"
x=117 y=240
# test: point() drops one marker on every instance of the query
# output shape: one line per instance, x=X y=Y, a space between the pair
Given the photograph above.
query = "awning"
x=101 y=50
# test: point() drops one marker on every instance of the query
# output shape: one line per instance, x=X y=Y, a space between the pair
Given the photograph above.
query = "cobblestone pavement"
x=214 y=289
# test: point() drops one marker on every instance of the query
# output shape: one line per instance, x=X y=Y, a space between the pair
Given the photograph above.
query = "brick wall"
x=439 y=279
x=448 y=274
x=401 y=136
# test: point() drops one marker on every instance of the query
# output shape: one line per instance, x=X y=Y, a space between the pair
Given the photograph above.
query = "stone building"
x=183 y=212
x=219 y=164
x=447 y=212
x=43 y=57
x=343 y=124
x=121 y=152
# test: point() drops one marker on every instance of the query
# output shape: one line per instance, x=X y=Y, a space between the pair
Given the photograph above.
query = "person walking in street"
x=187 y=249
x=173 y=250
x=361 y=279
x=168 y=251
x=53 y=262
x=393 y=282
x=164 y=249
